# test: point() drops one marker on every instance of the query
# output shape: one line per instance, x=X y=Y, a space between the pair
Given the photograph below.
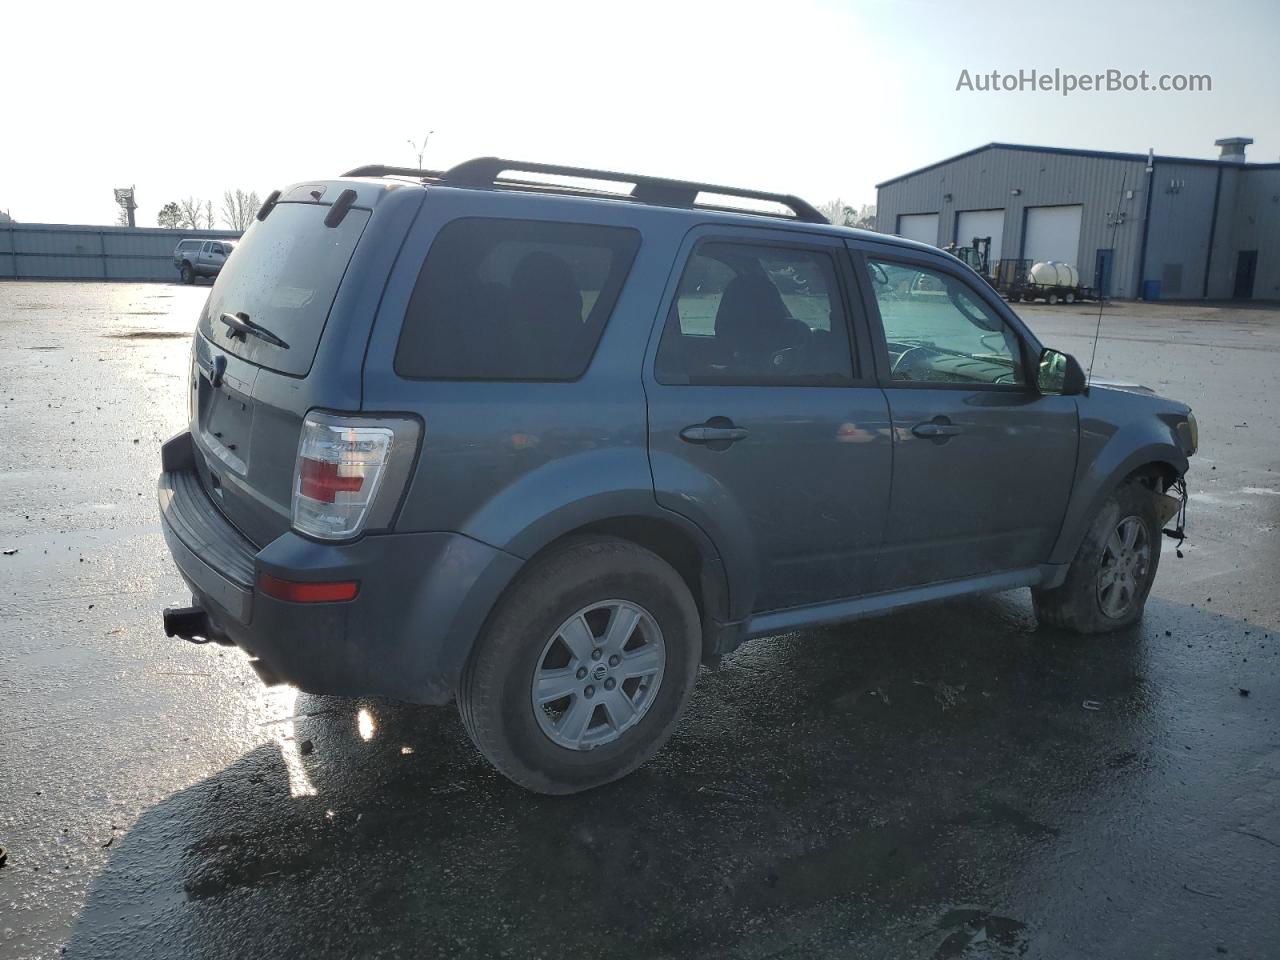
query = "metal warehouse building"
x=1135 y=225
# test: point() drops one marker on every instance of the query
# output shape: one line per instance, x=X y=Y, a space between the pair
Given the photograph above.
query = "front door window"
x=937 y=331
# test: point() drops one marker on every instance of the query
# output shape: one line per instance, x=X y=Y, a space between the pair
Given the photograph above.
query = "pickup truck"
x=201 y=258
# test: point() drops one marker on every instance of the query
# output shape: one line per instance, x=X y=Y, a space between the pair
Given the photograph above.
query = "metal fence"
x=57 y=251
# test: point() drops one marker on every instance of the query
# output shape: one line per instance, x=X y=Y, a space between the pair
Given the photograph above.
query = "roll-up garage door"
x=981 y=223
x=1053 y=233
x=919 y=226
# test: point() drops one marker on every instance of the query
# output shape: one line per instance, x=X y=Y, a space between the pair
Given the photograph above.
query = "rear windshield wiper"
x=240 y=325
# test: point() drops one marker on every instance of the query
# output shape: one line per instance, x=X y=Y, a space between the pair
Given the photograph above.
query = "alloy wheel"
x=1126 y=558
x=598 y=674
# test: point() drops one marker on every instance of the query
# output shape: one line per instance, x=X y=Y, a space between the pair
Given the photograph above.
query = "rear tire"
x=188 y=275
x=1070 y=297
x=1108 y=582
x=1052 y=299
x=586 y=583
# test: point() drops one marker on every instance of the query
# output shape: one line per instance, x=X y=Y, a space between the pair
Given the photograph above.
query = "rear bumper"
x=422 y=599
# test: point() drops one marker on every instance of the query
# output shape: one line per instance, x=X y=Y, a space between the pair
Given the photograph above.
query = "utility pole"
x=124 y=197
x=420 y=150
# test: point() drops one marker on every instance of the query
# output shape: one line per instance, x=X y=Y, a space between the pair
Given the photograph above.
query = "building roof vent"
x=1232 y=148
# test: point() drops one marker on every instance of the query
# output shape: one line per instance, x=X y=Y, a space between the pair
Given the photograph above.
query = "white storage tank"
x=1054 y=273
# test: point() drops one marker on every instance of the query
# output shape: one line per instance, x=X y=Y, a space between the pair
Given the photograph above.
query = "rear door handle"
x=701 y=433
x=939 y=428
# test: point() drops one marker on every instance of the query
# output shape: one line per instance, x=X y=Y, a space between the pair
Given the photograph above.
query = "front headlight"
x=1189 y=434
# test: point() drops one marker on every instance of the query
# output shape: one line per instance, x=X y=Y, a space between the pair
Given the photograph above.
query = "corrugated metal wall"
x=987 y=180
x=1181 y=224
x=1256 y=226
x=46 y=251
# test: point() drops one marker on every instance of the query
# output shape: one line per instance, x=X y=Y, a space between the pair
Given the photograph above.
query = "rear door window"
x=513 y=300
x=756 y=314
x=285 y=278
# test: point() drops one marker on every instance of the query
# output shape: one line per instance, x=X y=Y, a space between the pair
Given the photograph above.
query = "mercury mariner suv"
x=483 y=435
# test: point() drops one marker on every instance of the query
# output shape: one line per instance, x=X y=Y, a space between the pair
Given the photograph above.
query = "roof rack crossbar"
x=485 y=171
x=659 y=191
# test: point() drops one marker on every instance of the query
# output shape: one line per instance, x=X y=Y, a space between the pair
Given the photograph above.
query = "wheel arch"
x=1158 y=475
x=1157 y=461
x=672 y=538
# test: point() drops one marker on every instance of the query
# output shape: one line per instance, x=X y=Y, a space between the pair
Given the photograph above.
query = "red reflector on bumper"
x=296 y=592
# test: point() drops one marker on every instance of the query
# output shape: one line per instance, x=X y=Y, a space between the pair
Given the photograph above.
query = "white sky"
x=823 y=99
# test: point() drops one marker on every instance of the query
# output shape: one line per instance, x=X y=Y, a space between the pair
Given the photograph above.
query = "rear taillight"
x=341 y=464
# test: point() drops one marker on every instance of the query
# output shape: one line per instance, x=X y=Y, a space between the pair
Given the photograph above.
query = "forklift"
x=977 y=255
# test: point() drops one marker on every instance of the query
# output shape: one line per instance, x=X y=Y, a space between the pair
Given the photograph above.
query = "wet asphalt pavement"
x=944 y=783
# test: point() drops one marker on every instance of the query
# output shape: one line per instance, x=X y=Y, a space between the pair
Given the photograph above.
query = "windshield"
x=284 y=277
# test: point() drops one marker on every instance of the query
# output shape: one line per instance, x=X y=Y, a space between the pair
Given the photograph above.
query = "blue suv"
x=545 y=449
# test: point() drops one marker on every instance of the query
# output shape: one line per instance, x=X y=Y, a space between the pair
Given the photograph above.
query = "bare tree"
x=170 y=215
x=838 y=212
x=239 y=209
x=208 y=214
x=844 y=215
x=192 y=213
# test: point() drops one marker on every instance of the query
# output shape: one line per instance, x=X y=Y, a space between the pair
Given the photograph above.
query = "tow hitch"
x=189 y=623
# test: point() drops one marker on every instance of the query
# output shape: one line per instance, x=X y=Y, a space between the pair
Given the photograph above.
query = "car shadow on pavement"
x=883 y=788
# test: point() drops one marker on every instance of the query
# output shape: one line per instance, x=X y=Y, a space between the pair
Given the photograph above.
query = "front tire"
x=1108 y=582
x=584 y=668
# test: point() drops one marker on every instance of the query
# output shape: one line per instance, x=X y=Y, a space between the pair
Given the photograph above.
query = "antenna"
x=1102 y=297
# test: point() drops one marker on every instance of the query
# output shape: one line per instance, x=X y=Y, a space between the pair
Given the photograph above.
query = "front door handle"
x=713 y=434
x=939 y=429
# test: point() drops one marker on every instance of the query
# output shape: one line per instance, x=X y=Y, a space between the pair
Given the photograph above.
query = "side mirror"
x=1059 y=374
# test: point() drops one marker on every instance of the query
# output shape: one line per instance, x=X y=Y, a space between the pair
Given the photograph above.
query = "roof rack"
x=659 y=191
x=382 y=170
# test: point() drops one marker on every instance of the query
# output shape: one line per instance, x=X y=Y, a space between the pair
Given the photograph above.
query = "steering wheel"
x=786 y=360
x=877 y=273
x=912 y=359
x=997 y=347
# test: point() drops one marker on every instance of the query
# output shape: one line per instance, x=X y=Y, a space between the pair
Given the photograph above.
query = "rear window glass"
x=284 y=276
x=513 y=300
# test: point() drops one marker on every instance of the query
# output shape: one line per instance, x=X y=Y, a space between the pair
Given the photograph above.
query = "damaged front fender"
x=1121 y=434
